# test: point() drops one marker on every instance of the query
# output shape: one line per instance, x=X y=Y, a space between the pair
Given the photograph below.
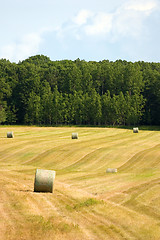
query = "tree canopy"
x=40 y=91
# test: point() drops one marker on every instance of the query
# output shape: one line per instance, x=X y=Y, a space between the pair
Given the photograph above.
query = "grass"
x=86 y=203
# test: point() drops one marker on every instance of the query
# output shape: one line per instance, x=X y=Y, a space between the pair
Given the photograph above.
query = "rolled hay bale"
x=135 y=130
x=111 y=170
x=74 y=135
x=10 y=135
x=44 y=180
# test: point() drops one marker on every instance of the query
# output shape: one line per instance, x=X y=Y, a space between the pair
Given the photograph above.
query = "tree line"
x=44 y=92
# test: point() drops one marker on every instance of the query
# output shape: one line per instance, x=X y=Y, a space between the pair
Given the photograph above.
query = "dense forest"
x=44 y=92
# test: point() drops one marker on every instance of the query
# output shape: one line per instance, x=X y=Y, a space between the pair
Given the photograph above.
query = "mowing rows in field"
x=87 y=203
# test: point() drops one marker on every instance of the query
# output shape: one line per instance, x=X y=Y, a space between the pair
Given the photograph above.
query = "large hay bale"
x=135 y=130
x=74 y=135
x=44 y=180
x=111 y=170
x=10 y=135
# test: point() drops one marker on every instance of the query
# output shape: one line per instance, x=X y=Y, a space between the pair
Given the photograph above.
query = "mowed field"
x=87 y=203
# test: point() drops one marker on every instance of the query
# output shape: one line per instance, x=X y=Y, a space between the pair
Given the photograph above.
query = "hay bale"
x=74 y=135
x=135 y=130
x=111 y=170
x=10 y=135
x=44 y=180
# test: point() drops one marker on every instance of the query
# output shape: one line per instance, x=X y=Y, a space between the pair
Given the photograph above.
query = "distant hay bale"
x=111 y=170
x=135 y=130
x=10 y=135
x=74 y=135
x=44 y=180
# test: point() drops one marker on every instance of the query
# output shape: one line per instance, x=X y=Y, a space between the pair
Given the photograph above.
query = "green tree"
x=78 y=106
x=58 y=107
x=120 y=109
x=2 y=114
x=152 y=96
x=46 y=103
x=107 y=114
x=11 y=115
x=93 y=109
x=33 y=111
x=135 y=105
x=29 y=82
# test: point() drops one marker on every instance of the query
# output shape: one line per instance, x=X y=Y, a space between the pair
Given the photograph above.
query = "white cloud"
x=128 y=20
x=126 y=24
x=102 y=24
x=143 y=5
x=82 y=17
x=28 y=45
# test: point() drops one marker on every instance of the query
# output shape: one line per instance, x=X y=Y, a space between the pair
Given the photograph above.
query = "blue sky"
x=86 y=29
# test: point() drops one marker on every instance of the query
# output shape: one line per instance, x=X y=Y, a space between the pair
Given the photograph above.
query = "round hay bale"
x=135 y=130
x=10 y=135
x=74 y=135
x=44 y=180
x=111 y=170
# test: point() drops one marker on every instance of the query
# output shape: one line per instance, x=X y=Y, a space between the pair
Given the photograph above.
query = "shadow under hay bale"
x=10 y=135
x=111 y=170
x=44 y=180
x=135 y=130
x=74 y=135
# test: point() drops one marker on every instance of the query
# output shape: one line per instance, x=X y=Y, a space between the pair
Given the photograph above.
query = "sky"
x=91 y=30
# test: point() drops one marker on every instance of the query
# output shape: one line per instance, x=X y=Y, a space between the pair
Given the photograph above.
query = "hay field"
x=87 y=203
